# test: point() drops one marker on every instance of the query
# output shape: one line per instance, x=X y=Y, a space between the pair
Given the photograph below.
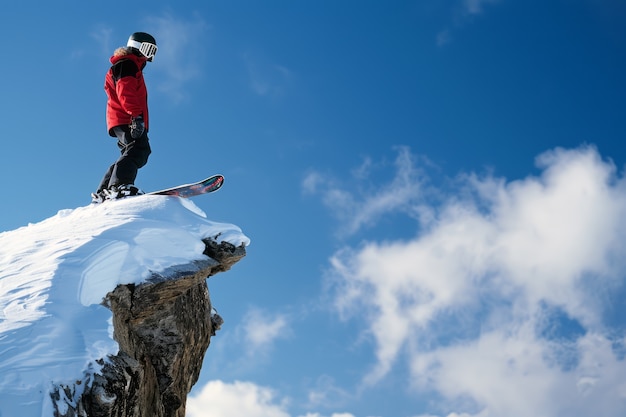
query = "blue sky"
x=434 y=190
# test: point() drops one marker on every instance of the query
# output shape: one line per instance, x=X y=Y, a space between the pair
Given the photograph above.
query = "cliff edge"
x=163 y=327
x=105 y=310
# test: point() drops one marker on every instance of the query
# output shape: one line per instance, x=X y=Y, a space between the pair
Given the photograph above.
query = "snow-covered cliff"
x=106 y=306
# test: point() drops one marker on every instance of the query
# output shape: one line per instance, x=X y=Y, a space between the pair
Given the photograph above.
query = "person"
x=127 y=116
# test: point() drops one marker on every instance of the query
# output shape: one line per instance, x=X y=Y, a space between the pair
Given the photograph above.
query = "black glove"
x=136 y=127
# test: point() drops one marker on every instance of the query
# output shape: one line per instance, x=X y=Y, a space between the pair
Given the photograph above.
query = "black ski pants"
x=134 y=155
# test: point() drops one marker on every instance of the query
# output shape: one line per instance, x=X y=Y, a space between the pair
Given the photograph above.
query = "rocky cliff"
x=163 y=327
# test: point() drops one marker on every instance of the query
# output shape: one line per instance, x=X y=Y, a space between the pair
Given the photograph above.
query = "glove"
x=136 y=127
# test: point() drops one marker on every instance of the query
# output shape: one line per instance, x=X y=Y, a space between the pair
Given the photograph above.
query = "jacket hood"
x=139 y=60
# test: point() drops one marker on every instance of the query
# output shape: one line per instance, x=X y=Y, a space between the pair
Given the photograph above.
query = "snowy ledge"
x=55 y=274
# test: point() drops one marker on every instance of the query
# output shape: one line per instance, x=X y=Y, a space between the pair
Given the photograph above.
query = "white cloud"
x=261 y=329
x=513 y=373
x=357 y=211
x=471 y=300
x=221 y=399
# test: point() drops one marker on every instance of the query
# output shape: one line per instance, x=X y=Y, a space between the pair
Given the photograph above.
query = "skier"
x=127 y=116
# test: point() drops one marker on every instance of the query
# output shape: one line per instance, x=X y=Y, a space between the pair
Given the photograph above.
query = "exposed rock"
x=163 y=328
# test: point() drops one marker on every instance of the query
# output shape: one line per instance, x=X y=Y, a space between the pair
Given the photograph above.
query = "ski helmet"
x=145 y=43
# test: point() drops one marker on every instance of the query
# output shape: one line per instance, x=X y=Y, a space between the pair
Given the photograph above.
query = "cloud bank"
x=504 y=301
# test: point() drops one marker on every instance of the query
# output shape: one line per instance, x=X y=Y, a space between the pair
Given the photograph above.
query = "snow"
x=55 y=273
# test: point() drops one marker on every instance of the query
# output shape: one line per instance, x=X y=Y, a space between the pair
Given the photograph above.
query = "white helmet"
x=145 y=43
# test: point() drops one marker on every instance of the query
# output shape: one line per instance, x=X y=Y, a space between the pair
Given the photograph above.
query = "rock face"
x=163 y=328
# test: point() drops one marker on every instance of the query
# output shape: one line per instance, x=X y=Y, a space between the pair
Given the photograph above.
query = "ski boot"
x=121 y=191
x=98 y=197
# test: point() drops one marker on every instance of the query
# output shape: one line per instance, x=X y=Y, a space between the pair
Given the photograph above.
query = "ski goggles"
x=147 y=49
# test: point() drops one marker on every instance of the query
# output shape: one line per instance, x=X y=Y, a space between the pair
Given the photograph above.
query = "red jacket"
x=126 y=91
